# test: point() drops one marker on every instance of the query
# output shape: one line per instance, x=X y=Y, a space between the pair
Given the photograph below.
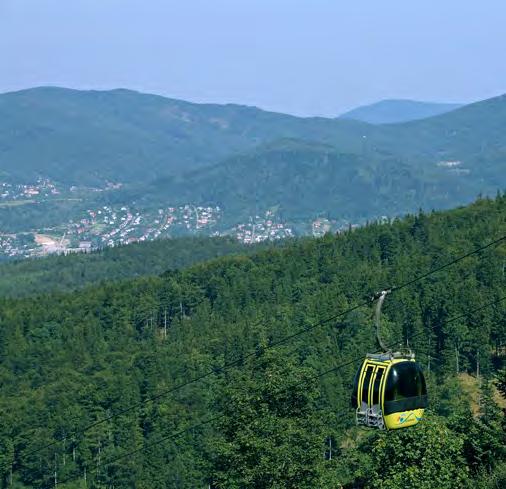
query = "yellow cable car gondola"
x=389 y=389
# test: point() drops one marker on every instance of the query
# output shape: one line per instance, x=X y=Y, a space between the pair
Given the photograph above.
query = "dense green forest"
x=69 y=272
x=96 y=385
x=304 y=179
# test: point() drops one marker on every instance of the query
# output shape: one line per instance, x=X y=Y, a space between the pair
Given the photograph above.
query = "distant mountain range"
x=246 y=160
x=439 y=162
x=84 y=137
x=394 y=111
x=300 y=179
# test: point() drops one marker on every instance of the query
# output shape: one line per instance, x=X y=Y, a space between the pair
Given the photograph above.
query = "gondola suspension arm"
x=380 y=297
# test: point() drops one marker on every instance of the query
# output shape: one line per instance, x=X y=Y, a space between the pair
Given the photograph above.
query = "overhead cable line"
x=270 y=346
x=305 y=380
x=449 y=264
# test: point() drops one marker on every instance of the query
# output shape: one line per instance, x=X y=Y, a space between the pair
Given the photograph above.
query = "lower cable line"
x=272 y=345
x=352 y=361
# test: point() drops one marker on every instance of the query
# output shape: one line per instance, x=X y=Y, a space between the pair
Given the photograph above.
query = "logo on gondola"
x=405 y=417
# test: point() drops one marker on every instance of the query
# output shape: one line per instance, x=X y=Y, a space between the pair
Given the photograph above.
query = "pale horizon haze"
x=305 y=58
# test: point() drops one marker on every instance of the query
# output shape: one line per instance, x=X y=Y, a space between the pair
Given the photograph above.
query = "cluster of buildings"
x=454 y=166
x=260 y=229
x=110 y=225
x=15 y=246
x=113 y=226
x=320 y=226
x=14 y=192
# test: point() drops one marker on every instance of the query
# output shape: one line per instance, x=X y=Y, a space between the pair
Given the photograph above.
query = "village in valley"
x=110 y=225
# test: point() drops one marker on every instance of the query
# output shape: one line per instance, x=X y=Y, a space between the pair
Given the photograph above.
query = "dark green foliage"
x=427 y=456
x=302 y=179
x=65 y=273
x=270 y=435
x=501 y=382
x=70 y=360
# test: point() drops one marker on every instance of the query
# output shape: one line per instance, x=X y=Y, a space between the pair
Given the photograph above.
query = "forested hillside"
x=69 y=272
x=304 y=179
x=97 y=386
x=65 y=154
x=86 y=137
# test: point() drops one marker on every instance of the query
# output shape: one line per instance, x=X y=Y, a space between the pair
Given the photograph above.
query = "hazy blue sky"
x=305 y=57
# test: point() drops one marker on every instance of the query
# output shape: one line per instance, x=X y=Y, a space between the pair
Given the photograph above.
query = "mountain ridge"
x=168 y=151
x=391 y=111
x=305 y=179
x=124 y=135
x=129 y=136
